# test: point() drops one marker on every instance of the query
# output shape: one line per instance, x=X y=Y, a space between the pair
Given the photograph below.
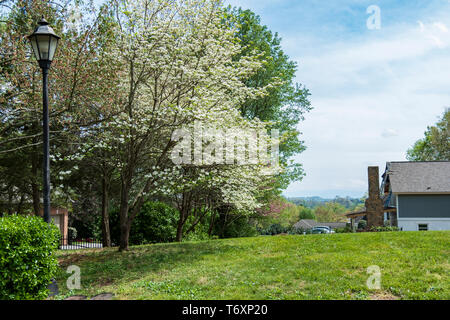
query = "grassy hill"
x=414 y=265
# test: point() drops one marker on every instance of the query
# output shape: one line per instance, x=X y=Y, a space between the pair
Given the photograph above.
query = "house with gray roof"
x=413 y=196
x=305 y=224
x=417 y=195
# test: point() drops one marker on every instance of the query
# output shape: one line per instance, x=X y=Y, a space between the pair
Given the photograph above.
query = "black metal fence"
x=77 y=244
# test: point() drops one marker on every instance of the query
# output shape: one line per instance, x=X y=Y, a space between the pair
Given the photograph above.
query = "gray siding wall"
x=424 y=206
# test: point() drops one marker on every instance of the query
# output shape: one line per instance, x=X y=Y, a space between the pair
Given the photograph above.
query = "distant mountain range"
x=315 y=201
x=315 y=198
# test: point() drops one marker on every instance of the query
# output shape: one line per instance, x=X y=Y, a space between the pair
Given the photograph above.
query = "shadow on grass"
x=414 y=265
x=108 y=266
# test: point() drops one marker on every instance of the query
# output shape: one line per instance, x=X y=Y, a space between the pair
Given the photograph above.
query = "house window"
x=423 y=227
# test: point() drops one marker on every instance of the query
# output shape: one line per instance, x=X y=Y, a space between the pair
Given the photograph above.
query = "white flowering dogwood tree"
x=176 y=62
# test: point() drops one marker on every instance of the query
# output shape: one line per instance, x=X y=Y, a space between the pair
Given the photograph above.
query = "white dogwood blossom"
x=178 y=67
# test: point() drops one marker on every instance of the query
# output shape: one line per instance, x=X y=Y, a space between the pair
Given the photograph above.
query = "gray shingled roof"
x=423 y=177
x=305 y=224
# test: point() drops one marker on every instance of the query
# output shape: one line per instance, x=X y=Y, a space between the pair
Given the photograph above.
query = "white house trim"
x=437 y=219
x=418 y=193
x=412 y=224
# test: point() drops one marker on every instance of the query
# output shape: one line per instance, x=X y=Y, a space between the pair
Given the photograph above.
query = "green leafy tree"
x=282 y=107
x=435 y=146
x=279 y=211
x=286 y=102
x=306 y=213
x=177 y=64
x=156 y=223
x=77 y=101
x=331 y=212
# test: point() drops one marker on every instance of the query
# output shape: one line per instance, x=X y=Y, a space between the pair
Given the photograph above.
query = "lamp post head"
x=44 y=42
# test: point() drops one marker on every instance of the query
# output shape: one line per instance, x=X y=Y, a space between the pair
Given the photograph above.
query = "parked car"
x=321 y=229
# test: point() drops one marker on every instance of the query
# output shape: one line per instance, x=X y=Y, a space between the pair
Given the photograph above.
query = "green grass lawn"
x=414 y=265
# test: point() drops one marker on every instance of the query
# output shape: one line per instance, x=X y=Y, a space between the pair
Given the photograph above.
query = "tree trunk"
x=180 y=228
x=105 y=215
x=124 y=236
x=125 y=223
x=211 y=223
x=223 y=220
x=184 y=212
x=124 y=228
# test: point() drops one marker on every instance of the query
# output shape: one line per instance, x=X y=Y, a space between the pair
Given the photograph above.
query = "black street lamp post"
x=44 y=42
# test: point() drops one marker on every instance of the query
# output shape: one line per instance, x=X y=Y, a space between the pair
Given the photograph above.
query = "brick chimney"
x=374 y=204
x=374 y=182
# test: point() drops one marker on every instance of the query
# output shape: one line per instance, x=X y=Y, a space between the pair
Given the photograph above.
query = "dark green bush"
x=384 y=229
x=347 y=229
x=155 y=223
x=275 y=229
x=299 y=231
x=27 y=263
x=87 y=228
x=235 y=225
x=362 y=224
x=201 y=228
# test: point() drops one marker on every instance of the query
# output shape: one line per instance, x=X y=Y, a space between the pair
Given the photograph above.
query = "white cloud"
x=388 y=133
x=437 y=32
x=441 y=26
x=254 y=5
x=374 y=92
x=367 y=90
x=368 y=61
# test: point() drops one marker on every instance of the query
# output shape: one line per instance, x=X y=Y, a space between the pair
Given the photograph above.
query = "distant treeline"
x=314 y=202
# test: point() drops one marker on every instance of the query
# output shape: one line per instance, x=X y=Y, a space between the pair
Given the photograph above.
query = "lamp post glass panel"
x=44 y=42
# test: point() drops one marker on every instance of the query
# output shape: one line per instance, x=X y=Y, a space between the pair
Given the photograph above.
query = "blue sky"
x=374 y=92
